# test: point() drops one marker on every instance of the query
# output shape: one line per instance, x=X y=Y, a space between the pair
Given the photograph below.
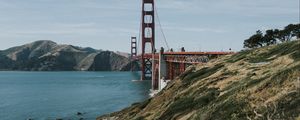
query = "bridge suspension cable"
x=140 y=34
x=161 y=28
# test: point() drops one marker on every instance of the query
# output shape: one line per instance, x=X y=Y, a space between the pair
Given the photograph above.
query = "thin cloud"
x=236 y=7
x=196 y=29
x=106 y=22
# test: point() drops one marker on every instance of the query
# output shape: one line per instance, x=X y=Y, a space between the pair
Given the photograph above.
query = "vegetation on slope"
x=263 y=83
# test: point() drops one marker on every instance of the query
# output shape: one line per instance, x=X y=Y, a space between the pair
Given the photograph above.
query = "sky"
x=198 y=25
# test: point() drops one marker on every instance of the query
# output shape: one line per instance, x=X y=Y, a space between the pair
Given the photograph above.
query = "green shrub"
x=139 y=118
x=188 y=103
x=278 y=50
x=239 y=56
x=200 y=74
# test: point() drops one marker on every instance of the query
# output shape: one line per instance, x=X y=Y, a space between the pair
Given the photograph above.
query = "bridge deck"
x=197 y=53
x=183 y=57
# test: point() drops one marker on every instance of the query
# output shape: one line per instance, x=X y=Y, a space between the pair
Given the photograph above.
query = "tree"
x=254 y=41
x=296 y=31
x=290 y=31
x=273 y=36
x=277 y=35
x=269 y=38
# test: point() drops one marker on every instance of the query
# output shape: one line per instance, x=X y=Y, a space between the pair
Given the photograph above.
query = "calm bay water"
x=51 y=95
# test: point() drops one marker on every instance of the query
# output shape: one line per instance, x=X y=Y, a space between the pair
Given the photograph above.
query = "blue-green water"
x=51 y=95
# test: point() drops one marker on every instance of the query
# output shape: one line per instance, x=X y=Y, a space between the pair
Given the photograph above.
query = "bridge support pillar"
x=170 y=67
x=162 y=71
x=181 y=67
x=155 y=75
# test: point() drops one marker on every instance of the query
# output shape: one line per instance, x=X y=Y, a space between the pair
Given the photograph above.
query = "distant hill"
x=45 y=55
x=258 y=84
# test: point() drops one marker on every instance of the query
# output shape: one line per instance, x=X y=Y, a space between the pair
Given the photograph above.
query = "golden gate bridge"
x=159 y=66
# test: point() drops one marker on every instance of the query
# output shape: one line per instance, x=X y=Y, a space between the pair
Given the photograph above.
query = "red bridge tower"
x=148 y=38
x=133 y=51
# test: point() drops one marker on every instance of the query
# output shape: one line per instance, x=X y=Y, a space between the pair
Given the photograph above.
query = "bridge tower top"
x=133 y=47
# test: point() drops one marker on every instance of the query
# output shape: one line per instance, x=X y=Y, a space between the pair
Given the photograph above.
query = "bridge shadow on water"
x=141 y=84
x=136 y=75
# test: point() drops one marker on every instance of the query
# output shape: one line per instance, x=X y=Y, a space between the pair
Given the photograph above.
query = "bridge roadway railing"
x=191 y=57
x=187 y=59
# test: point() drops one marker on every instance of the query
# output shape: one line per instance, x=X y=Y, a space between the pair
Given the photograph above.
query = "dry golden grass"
x=244 y=90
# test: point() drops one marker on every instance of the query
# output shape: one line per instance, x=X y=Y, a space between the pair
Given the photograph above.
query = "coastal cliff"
x=262 y=83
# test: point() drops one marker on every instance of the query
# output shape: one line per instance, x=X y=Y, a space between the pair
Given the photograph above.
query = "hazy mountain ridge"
x=46 y=55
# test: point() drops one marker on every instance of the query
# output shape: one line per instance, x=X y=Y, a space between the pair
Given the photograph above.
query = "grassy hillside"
x=262 y=83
